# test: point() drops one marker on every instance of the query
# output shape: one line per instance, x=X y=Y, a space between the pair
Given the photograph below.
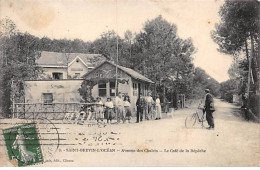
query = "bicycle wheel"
x=203 y=119
x=190 y=121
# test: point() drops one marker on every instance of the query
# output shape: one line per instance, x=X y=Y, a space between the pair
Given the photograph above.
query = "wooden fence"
x=53 y=111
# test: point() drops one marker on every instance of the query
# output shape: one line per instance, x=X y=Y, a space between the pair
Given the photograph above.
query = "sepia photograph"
x=129 y=83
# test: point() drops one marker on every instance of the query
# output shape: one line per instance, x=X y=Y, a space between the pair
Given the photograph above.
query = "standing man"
x=140 y=104
x=119 y=103
x=109 y=110
x=209 y=108
x=150 y=102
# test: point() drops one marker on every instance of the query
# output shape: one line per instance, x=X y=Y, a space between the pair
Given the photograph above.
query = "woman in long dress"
x=99 y=110
x=109 y=110
x=158 y=108
x=127 y=105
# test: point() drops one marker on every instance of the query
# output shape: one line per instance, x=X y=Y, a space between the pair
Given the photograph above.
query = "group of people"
x=121 y=110
x=147 y=108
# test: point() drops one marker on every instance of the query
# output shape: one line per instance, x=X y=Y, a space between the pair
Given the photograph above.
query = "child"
x=109 y=110
x=127 y=105
x=99 y=110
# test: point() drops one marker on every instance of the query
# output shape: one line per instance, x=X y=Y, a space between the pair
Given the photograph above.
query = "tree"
x=238 y=34
x=156 y=52
x=162 y=55
x=19 y=51
x=239 y=21
x=79 y=46
x=107 y=45
x=126 y=57
x=227 y=89
x=202 y=81
x=85 y=90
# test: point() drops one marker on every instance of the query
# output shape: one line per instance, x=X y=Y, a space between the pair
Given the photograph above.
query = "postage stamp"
x=22 y=143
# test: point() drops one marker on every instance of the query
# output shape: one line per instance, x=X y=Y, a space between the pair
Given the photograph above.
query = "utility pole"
x=116 y=85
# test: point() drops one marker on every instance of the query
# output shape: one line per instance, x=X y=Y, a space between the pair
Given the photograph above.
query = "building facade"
x=130 y=82
x=52 y=91
x=67 y=65
x=59 y=96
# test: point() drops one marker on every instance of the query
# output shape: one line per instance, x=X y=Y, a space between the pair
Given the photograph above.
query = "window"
x=102 y=90
x=112 y=88
x=57 y=76
x=77 y=75
x=98 y=75
x=47 y=98
x=135 y=93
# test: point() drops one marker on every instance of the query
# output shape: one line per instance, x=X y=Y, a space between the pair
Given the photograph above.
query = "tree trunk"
x=249 y=69
x=164 y=92
x=247 y=56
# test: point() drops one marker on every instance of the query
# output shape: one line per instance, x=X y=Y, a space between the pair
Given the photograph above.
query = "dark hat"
x=207 y=90
x=98 y=97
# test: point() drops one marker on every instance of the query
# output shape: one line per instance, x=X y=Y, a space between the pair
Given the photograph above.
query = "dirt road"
x=164 y=142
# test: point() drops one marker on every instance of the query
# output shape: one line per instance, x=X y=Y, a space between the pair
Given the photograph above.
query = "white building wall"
x=62 y=90
x=77 y=67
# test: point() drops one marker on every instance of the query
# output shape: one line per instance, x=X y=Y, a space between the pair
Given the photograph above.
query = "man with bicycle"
x=209 y=109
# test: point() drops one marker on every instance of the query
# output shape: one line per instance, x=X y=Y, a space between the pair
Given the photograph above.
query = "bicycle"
x=191 y=120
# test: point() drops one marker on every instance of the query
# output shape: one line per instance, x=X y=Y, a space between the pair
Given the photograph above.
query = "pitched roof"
x=62 y=59
x=135 y=74
x=128 y=71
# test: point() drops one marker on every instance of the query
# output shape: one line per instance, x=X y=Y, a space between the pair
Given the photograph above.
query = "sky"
x=87 y=19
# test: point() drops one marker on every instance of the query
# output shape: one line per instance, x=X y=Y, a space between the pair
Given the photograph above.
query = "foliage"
x=227 y=88
x=85 y=90
x=239 y=20
x=238 y=34
x=64 y=45
x=202 y=81
x=106 y=45
x=18 y=51
x=156 y=52
x=164 y=57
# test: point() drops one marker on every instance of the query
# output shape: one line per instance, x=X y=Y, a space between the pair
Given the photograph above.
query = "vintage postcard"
x=129 y=83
